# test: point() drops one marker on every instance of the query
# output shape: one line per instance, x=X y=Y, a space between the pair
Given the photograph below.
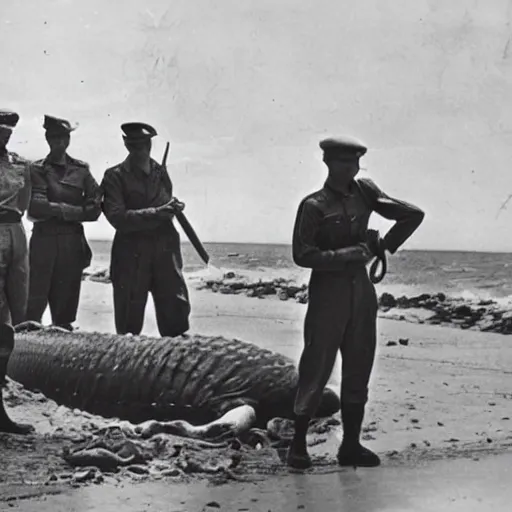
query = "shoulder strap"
x=367 y=192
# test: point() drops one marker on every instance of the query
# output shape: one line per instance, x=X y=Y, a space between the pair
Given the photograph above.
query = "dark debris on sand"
x=483 y=315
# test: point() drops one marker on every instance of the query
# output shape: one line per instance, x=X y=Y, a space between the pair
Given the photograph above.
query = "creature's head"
x=279 y=405
x=329 y=404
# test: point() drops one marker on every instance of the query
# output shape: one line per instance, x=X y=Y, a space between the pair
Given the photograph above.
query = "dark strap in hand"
x=378 y=277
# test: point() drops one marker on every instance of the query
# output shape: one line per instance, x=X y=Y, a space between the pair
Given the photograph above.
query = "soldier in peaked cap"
x=146 y=253
x=14 y=273
x=331 y=237
x=64 y=195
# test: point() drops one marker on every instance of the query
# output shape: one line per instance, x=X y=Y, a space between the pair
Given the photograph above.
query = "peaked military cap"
x=8 y=118
x=56 y=125
x=343 y=145
x=137 y=131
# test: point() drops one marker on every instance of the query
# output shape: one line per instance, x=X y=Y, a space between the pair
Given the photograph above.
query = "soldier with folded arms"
x=64 y=195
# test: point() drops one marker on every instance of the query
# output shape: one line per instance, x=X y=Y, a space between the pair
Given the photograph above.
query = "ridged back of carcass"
x=138 y=378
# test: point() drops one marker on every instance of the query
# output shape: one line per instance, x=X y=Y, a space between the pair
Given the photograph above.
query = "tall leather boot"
x=351 y=452
x=6 y=347
x=298 y=456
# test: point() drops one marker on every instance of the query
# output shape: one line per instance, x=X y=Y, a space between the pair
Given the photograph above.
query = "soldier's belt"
x=9 y=217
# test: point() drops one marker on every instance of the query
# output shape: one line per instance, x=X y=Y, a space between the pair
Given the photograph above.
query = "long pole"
x=182 y=219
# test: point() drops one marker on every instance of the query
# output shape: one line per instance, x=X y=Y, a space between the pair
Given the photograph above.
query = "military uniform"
x=14 y=197
x=342 y=308
x=64 y=195
x=146 y=254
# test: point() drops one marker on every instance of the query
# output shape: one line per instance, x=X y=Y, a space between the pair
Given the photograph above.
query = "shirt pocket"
x=135 y=197
x=12 y=180
x=72 y=187
x=334 y=231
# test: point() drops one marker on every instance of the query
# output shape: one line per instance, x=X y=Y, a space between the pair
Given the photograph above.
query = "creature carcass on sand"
x=200 y=387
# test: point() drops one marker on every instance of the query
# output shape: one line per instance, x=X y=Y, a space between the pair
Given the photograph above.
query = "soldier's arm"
x=92 y=193
x=121 y=218
x=407 y=217
x=40 y=208
x=91 y=208
x=306 y=252
x=25 y=192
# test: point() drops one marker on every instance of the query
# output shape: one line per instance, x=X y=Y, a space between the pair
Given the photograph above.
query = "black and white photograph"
x=255 y=256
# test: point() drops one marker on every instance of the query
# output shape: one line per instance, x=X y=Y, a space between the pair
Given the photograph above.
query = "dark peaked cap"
x=8 y=118
x=343 y=145
x=56 y=125
x=137 y=131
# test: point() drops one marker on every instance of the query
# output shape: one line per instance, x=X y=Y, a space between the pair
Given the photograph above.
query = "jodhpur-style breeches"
x=14 y=273
x=341 y=315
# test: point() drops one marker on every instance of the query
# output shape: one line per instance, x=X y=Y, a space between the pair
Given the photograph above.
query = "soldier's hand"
x=359 y=253
x=374 y=242
x=366 y=253
x=178 y=206
x=172 y=207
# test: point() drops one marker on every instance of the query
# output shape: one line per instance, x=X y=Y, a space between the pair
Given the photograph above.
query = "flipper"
x=233 y=423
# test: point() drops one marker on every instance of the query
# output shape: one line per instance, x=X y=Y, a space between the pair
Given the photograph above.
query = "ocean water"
x=463 y=274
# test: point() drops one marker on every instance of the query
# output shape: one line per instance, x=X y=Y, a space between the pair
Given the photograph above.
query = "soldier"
x=64 y=195
x=331 y=238
x=146 y=254
x=14 y=198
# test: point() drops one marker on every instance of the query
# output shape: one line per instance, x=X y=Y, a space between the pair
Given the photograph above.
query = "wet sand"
x=436 y=405
x=451 y=486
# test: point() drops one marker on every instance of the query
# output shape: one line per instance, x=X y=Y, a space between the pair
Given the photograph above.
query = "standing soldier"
x=331 y=238
x=14 y=198
x=146 y=253
x=64 y=194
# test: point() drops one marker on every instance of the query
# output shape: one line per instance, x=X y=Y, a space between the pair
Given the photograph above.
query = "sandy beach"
x=445 y=395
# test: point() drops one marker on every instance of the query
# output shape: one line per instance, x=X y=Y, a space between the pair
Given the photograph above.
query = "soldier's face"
x=5 y=135
x=58 y=142
x=139 y=149
x=343 y=168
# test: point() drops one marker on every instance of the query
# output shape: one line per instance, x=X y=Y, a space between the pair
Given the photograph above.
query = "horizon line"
x=289 y=244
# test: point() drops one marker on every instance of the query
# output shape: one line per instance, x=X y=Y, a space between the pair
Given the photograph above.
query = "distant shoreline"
x=271 y=244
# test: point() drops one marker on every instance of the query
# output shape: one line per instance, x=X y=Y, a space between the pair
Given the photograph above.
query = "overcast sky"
x=244 y=89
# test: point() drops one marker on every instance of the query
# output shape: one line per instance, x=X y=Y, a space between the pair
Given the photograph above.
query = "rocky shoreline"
x=482 y=315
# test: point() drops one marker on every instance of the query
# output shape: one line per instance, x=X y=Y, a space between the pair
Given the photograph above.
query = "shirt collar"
x=351 y=192
x=130 y=168
x=48 y=161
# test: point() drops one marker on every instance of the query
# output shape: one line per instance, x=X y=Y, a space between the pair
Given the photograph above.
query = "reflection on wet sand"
x=463 y=485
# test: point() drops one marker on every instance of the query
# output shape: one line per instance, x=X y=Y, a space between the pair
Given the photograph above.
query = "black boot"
x=351 y=453
x=6 y=347
x=298 y=456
